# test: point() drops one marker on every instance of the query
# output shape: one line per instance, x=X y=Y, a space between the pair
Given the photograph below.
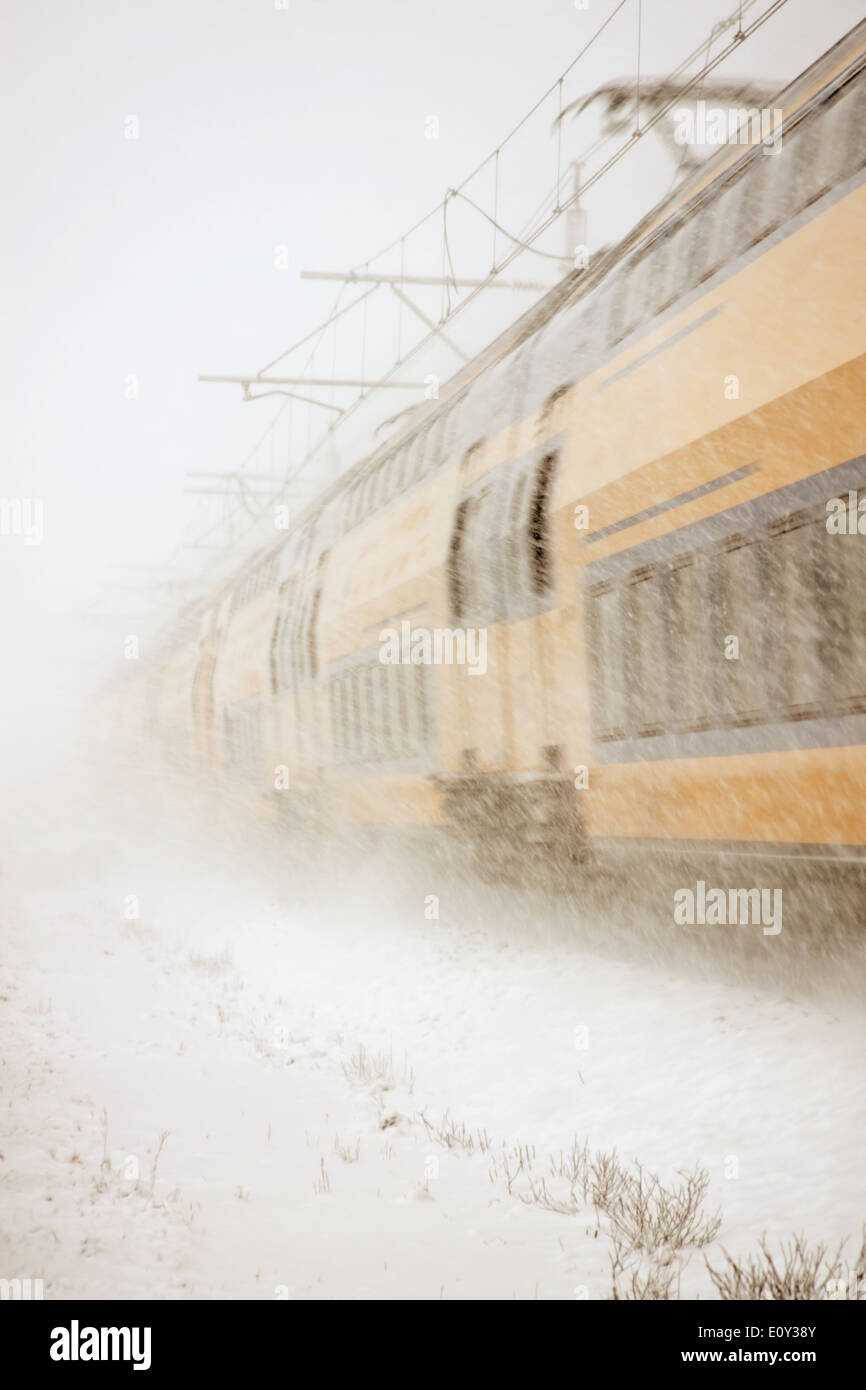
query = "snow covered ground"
x=168 y=970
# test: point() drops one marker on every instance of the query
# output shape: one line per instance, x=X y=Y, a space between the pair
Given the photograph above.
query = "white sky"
x=154 y=257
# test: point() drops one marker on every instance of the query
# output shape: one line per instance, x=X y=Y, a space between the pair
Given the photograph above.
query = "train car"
x=624 y=500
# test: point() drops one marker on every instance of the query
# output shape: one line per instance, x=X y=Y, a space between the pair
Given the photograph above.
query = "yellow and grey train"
x=628 y=493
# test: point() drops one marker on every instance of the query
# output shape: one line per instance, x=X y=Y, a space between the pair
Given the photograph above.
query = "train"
x=622 y=505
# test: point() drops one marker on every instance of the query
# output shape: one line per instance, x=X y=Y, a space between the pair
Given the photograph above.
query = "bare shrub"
x=641 y=1277
x=652 y=1217
x=606 y=1180
x=539 y=1195
x=797 y=1274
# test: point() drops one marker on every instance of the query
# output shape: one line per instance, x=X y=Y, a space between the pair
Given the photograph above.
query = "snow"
x=227 y=1014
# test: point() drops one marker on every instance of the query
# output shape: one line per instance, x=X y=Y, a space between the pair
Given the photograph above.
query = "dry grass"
x=453 y=1135
x=376 y=1070
x=322 y=1183
x=349 y=1153
x=212 y=965
x=797 y=1274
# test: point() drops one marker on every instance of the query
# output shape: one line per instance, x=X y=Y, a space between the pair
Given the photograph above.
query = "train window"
x=637 y=300
x=295 y=648
x=664 y=272
x=514 y=586
x=390 y=712
x=547 y=419
x=720 y=244
x=496 y=559
x=374 y=495
x=374 y=712
x=422 y=698
x=273 y=654
x=766 y=206
x=404 y=727
x=289 y=645
x=368 y=485
x=686 y=643
x=386 y=718
x=540 y=548
x=415 y=455
x=475 y=574
x=398 y=471
x=378 y=732
x=608 y=668
x=625 y=306
x=425 y=460
x=798 y=617
x=396 y=481
x=456 y=578
x=809 y=178
x=362 y=700
x=346 y=714
x=312 y=635
x=410 y=457
x=830 y=124
x=383 y=484
x=377 y=481
x=743 y=684
x=645 y=652
x=794 y=597
x=283 y=663
x=699 y=247
x=355 y=713
x=619 y=305
x=333 y=692
x=345 y=703
x=850 y=596
x=343 y=710
x=797 y=155
x=392 y=709
x=844 y=149
x=434 y=445
x=368 y=715
x=688 y=236
x=840 y=590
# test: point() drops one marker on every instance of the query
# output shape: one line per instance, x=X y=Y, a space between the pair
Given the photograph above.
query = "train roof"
x=838 y=63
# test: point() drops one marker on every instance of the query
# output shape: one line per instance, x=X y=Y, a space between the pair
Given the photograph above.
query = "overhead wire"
x=519 y=244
